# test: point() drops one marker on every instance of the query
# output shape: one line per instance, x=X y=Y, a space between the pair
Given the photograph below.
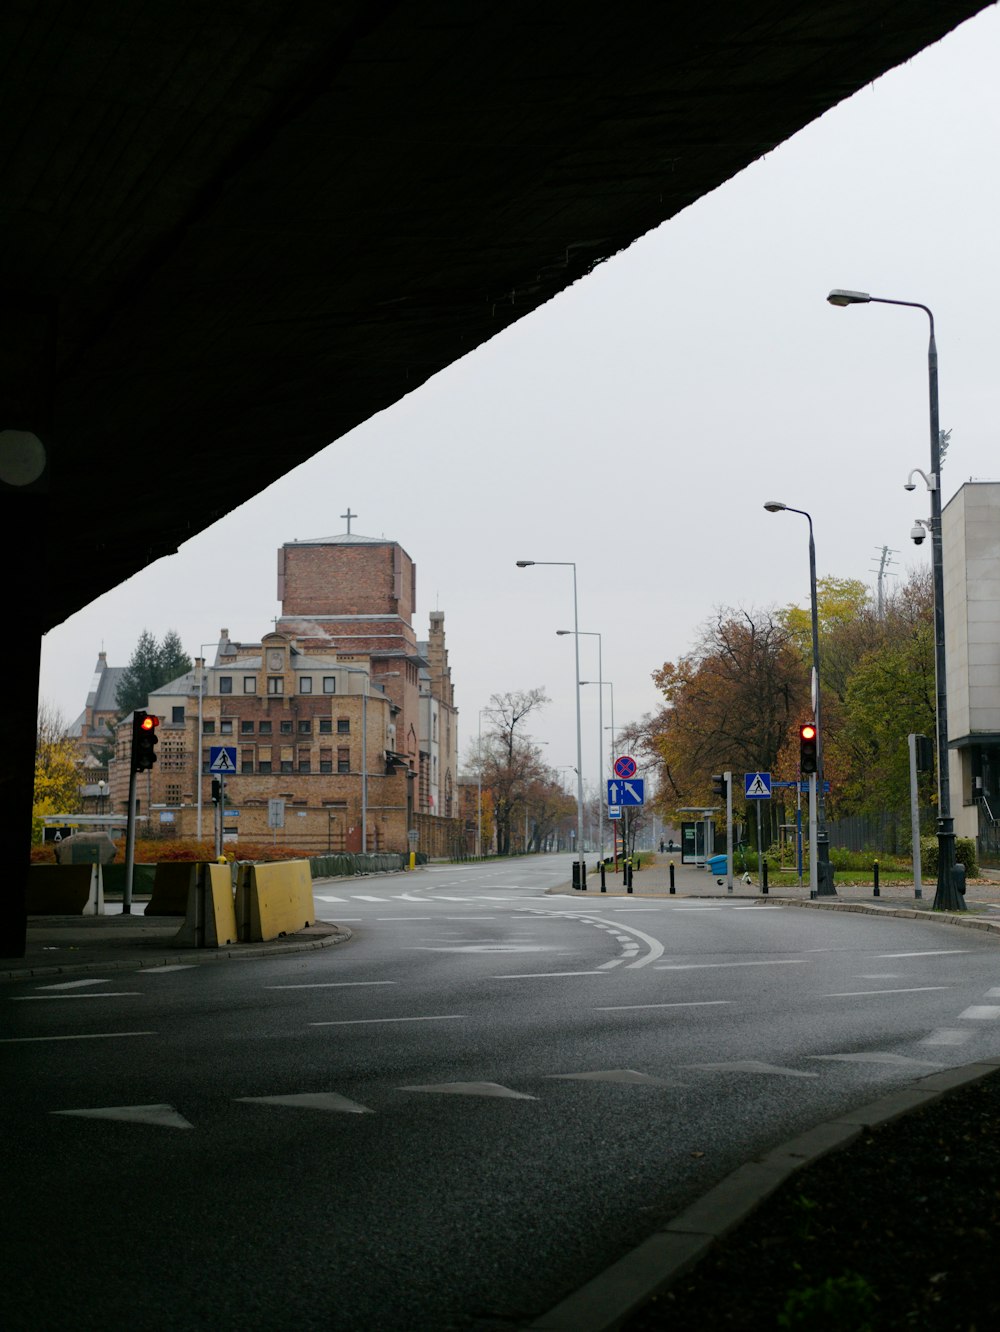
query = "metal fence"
x=888 y=833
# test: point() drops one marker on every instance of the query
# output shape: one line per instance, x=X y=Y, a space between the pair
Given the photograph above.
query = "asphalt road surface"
x=451 y=1121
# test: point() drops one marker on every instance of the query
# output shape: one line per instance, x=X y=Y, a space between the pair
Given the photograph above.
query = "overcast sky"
x=636 y=424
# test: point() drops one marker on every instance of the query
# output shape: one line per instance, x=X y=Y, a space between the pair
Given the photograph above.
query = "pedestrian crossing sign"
x=222 y=758
x=757 y=785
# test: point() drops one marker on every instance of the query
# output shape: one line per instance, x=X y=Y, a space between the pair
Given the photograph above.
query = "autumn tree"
x=57 y=774
x=732 y=703
x=151 y=665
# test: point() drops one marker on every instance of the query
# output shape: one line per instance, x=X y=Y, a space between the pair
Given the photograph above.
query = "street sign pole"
x=219 y=814
x=813 y=839
x=729 y=831
x=760 y=881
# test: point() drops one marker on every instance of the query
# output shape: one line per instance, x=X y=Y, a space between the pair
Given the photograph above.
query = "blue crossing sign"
x=757 y=785
x=222 y=758
x=631 y=792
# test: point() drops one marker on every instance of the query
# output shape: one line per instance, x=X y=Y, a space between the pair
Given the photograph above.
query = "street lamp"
x=102 y=786
x=824 y=879
x=589 y=633
x=947 y=897
x=570 y=564
x=479 y=786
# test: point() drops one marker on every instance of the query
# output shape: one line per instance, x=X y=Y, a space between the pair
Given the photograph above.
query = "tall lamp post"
x=479 y=786
x=947 y=897
x=570 y=564
x=590 y=633
x=201 y=737
x=824 y=878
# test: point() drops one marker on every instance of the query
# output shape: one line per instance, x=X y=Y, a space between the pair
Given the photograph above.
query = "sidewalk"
x=80 y=944
x=652 y=879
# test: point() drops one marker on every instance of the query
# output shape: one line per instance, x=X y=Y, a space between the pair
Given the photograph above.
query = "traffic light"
x=719 y=785
x=144 y=740
x=925 y=754
x=808 y=740
x=216 y=789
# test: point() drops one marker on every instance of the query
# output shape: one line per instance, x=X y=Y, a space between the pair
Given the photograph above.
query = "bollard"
x=875 y=891
x=603 y=885
x=628 y=875
x=672 y=888
x=763 y=877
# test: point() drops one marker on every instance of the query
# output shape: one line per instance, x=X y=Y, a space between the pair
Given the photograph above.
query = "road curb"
x=607 y=1301
x=171 y=957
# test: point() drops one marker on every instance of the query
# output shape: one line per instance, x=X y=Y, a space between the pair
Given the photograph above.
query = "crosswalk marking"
x=329 y=1101
x=164 y=1116
x=471 y=1089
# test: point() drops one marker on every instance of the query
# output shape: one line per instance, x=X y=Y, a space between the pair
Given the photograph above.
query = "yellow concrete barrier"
x=65 y=890
x=171 y=888
x=274 y=899
x=211 y=911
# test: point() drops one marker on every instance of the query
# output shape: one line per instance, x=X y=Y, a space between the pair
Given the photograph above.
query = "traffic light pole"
x=729 y=831
x=219 y=815
x=129 y=845
x=813 y=839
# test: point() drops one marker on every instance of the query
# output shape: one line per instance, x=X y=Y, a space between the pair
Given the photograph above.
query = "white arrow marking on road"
x=752 y=1066
x=472 y=1089
x=628 y=1075
x=163 y=1115
x=312 y=1101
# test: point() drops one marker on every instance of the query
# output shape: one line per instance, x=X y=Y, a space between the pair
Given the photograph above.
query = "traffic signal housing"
x=808 y=740
x=216 y=789
x=144 y=740
x=720 y=785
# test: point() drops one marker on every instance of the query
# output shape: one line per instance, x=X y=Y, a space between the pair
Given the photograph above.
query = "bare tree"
x=510 y=762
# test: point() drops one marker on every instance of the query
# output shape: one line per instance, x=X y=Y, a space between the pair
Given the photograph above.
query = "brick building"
x=339 y=712
x=93 y=734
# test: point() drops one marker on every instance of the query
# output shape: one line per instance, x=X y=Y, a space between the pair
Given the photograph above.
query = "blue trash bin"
x=716 y=864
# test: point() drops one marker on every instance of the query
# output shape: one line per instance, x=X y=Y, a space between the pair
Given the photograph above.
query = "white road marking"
x=174 y=966
x=328 y=985
x=710 y=966
x=947 y=1036
x=328 y=897
x=859 y=994
x=364 y=1022
x=164 y=1116
x=312 y=1101
x=406 y=918
x=487 y=948
x=82 y=1036
x=541 y=975
x=362 y=897
x=753 y=1066
x=654 y=945
x=73 y=985
x=928 y=952
x=409 y=897
x=471 y=1089
x=877 y=1057
x=980 y=1012
x=615 y=962
x=993 y=994
x=626 y=1075
x=77 y=994
x=700 y=1003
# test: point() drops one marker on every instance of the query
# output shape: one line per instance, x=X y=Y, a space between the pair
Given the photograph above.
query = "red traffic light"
x=808 y=748
x=807 y=732
x=149 y=722
x=144 y=740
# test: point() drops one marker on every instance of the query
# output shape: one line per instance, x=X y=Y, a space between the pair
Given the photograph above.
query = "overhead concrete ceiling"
x=231 y=231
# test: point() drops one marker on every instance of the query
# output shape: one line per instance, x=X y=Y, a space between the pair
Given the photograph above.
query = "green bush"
x=965 y=854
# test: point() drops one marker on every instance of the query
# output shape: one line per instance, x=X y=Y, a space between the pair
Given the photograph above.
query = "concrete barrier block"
x=62 y=890
x=278 y=900
x=171 y=888
x=210 y=921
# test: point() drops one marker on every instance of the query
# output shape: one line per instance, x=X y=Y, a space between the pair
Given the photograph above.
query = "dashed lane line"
x=981 y=1012
x=860 y=994
x=697 y=1003
x=368 y=1022
x=79 y=1036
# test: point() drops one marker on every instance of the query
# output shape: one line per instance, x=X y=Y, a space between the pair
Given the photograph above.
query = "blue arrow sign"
x=222 y=758
x=757 y=785
x=627 y=792
x=803 y=786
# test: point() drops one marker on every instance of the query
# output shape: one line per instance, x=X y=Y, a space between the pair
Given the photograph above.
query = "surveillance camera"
x=918 y=534
x=910 y=485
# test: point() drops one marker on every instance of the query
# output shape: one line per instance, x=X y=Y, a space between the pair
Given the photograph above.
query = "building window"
x=305 y=760
x=265 y=728
x=306 y=684
x=225 y=684
x=286 y=765
x=264 y=766
x=343 y=726
x=286 y=728
x=249 y=684
x=275 y=684
x=246 y=728
x=326 y=765
x=226 y=727
x=177 y=715
x=343 y=760
x=329 y=684
x=305 y=727
x=325 y=725
x=246 y=764
x=208 y=728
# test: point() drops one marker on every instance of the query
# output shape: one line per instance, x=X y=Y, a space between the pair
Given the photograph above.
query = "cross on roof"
x=348 y=515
